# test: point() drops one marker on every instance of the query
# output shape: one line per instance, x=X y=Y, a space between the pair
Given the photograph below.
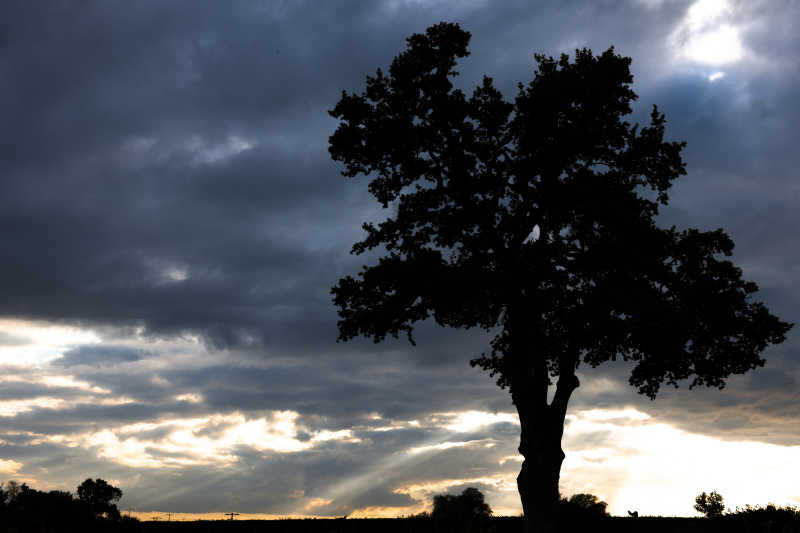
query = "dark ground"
x=494 y=525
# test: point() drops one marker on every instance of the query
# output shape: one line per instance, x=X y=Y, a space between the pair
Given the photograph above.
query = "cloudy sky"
x=171 y=225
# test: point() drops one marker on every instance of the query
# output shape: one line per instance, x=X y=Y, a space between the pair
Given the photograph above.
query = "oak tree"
x=535 y=219
x=100 y=497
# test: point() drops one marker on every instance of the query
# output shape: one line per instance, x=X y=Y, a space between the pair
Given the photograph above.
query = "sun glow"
x=717 y=46
x=634 y=462
x=708 y=34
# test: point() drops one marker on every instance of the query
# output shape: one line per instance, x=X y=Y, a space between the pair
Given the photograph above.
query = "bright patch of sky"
x=8 y=467
x=38 y=342
x=636 y=463
x=620 y=455
x=191 y=397
x=195 y=442
x=14 y=407
x=71 y=382
x=176 y=274
x=472 y=420
x=709 y=36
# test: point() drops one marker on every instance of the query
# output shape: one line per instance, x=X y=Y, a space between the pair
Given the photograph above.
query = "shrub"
x=582 y=506
x=465 y=512
x=709 y=504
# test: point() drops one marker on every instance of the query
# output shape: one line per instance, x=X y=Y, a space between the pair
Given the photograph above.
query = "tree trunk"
x=538 y=487
x=542 y=427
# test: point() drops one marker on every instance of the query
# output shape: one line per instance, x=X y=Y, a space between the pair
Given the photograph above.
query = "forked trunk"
x=542 y=427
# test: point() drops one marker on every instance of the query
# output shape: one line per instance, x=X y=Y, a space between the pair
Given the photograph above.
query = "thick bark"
x=542 y=427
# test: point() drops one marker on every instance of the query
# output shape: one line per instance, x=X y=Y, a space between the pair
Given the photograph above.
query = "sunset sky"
x=171 y=225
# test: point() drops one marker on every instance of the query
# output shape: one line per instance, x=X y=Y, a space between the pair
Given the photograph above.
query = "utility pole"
x=231 y=515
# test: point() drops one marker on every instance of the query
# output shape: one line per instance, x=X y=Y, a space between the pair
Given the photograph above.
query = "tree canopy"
x=469 y=177
x=100 y=497
x=584 y=504
x=469 y=505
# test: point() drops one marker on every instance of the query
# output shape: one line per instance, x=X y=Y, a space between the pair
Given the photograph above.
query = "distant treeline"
x=92 y=508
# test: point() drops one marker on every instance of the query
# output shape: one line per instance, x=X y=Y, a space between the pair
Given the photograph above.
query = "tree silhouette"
x=584 y=505
x=710 y=504
x=536 y=219
x=100 y=497
x=23 y=508
x=463 y=512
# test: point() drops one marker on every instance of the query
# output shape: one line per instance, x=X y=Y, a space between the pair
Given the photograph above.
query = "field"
x=494 y=525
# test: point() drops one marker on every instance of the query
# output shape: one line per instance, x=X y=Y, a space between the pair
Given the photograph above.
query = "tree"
x=709 y=504
x=100 y=498
x=12 y=489
x=468 y=179
x=464 y=511
x=583 y=505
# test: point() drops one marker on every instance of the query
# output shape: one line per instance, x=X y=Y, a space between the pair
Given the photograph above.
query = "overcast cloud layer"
x=171 y=225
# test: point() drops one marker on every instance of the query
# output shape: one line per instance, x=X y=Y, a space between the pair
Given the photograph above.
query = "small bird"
x=533 y=236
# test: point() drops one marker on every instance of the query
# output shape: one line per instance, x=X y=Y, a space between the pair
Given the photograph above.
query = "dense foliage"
x=24 y=509
x=467 y=511
x=586 y=506
x=100 y=498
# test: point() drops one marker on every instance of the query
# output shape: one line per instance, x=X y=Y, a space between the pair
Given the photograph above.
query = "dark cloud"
x=99 y=356
x=152 y=187
x=25 y=390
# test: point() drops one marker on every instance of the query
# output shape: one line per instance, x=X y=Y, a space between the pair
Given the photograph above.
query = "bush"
x=764 y=519
x=709 y=504
x=465 y=512
x=581 y=507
